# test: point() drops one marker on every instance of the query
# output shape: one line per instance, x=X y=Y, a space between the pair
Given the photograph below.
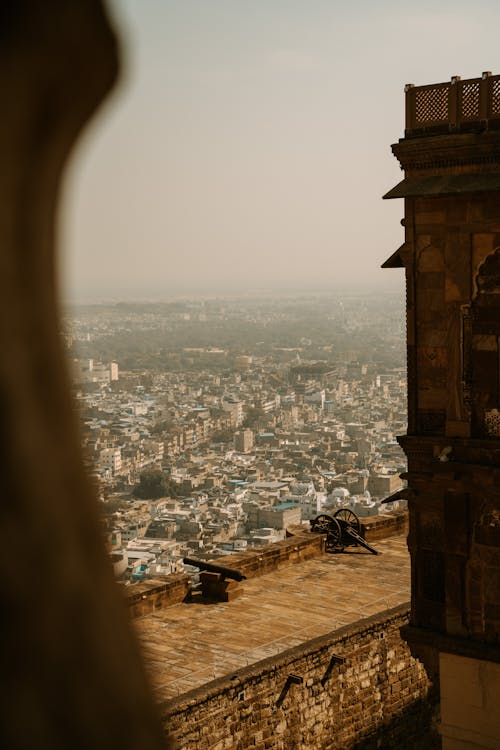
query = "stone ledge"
x=419 y=639
x=299 y=546
x=379 y=527
x=144 y=598
x=292 y=550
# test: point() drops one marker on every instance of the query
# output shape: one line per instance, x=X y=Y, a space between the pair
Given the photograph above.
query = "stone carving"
x=488 y=277
x=483 y=348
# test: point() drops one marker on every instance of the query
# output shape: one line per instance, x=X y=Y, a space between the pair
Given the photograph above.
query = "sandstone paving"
x=190 y=644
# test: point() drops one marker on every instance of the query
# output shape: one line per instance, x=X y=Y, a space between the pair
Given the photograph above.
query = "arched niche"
x=483 y=572
x=485 y=349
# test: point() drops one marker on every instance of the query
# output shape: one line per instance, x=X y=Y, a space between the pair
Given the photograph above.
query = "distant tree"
x=154 y=484
x=146 y=381
x=163 y=425
x=112 y=506
x=223 y=436
x=252 y=417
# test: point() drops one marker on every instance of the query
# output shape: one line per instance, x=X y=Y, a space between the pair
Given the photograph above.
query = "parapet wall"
x=384 y=525
x=292 y=550
x=144 y=598
x=356 y=688
x=148 y=596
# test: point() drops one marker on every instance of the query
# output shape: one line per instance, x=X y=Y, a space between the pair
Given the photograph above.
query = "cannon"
x=231 y=573
x=216 y=581
x=343 y=529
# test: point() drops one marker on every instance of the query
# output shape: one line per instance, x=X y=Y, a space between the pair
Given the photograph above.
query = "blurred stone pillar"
x=71 y=674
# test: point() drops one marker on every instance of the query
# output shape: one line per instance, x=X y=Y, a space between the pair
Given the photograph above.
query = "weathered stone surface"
x=453 y=204
x=189 y=644
x=149 y=596
x=379 y=696
x=292 y=550
x=383 y=526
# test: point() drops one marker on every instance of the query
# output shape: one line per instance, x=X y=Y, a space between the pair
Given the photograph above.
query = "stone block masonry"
x=190 y=644
x=149 y=596
x=384 y=525
x=357 y=687
x=301 y=545
x=290 y=551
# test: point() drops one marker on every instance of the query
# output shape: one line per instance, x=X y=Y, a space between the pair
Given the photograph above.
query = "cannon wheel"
x=321 y=524
x=350 y=517
x=334 y=538
x=325 y=524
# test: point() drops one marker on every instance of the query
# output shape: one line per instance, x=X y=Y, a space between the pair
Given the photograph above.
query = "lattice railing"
x=492 y=422
x=453 y=104
x=431 y=104
x=494 y=101
x=469 y=93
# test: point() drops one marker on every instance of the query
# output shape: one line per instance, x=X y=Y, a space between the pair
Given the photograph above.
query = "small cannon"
x=234 y=575
x=343 y=529
x=217 y=582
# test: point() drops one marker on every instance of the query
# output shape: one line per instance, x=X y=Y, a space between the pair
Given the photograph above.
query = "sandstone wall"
x=144 y=598
x=384 y=525
x=148 y=596
x=373 y=694
x=290 y=551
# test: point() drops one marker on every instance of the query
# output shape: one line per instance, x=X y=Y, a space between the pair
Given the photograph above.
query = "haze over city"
x=247 y=147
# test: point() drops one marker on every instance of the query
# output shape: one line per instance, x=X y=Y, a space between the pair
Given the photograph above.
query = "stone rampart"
x=144 y=598
x=357 y=687
x=384 y=525
x=292 y=550
x=301 y=545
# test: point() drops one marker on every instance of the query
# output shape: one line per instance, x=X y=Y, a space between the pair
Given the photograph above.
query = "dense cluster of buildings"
x=239 y=452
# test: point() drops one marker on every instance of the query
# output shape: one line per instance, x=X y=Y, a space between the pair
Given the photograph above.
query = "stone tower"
x=451 y=160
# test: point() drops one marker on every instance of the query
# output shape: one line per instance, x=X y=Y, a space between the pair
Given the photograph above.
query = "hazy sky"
x=248 y=144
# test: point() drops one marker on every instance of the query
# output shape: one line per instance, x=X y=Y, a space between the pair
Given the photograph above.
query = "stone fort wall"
x=300 y=545
x=357 y=687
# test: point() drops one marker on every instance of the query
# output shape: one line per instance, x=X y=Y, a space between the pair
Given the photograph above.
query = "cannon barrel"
x=235 y=575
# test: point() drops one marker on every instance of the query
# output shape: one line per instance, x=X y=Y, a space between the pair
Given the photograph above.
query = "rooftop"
x=190 y=644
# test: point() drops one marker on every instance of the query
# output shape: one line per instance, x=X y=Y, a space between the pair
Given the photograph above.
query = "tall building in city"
x=243 y=440
x=235 y=407
x=451 y=255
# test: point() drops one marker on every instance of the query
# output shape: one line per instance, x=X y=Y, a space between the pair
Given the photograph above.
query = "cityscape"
x=210 y=426
x=251 y=476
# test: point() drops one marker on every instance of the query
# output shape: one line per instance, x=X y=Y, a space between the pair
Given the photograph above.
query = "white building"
x=110 y=461
x=235 y=407
x=113 y=371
